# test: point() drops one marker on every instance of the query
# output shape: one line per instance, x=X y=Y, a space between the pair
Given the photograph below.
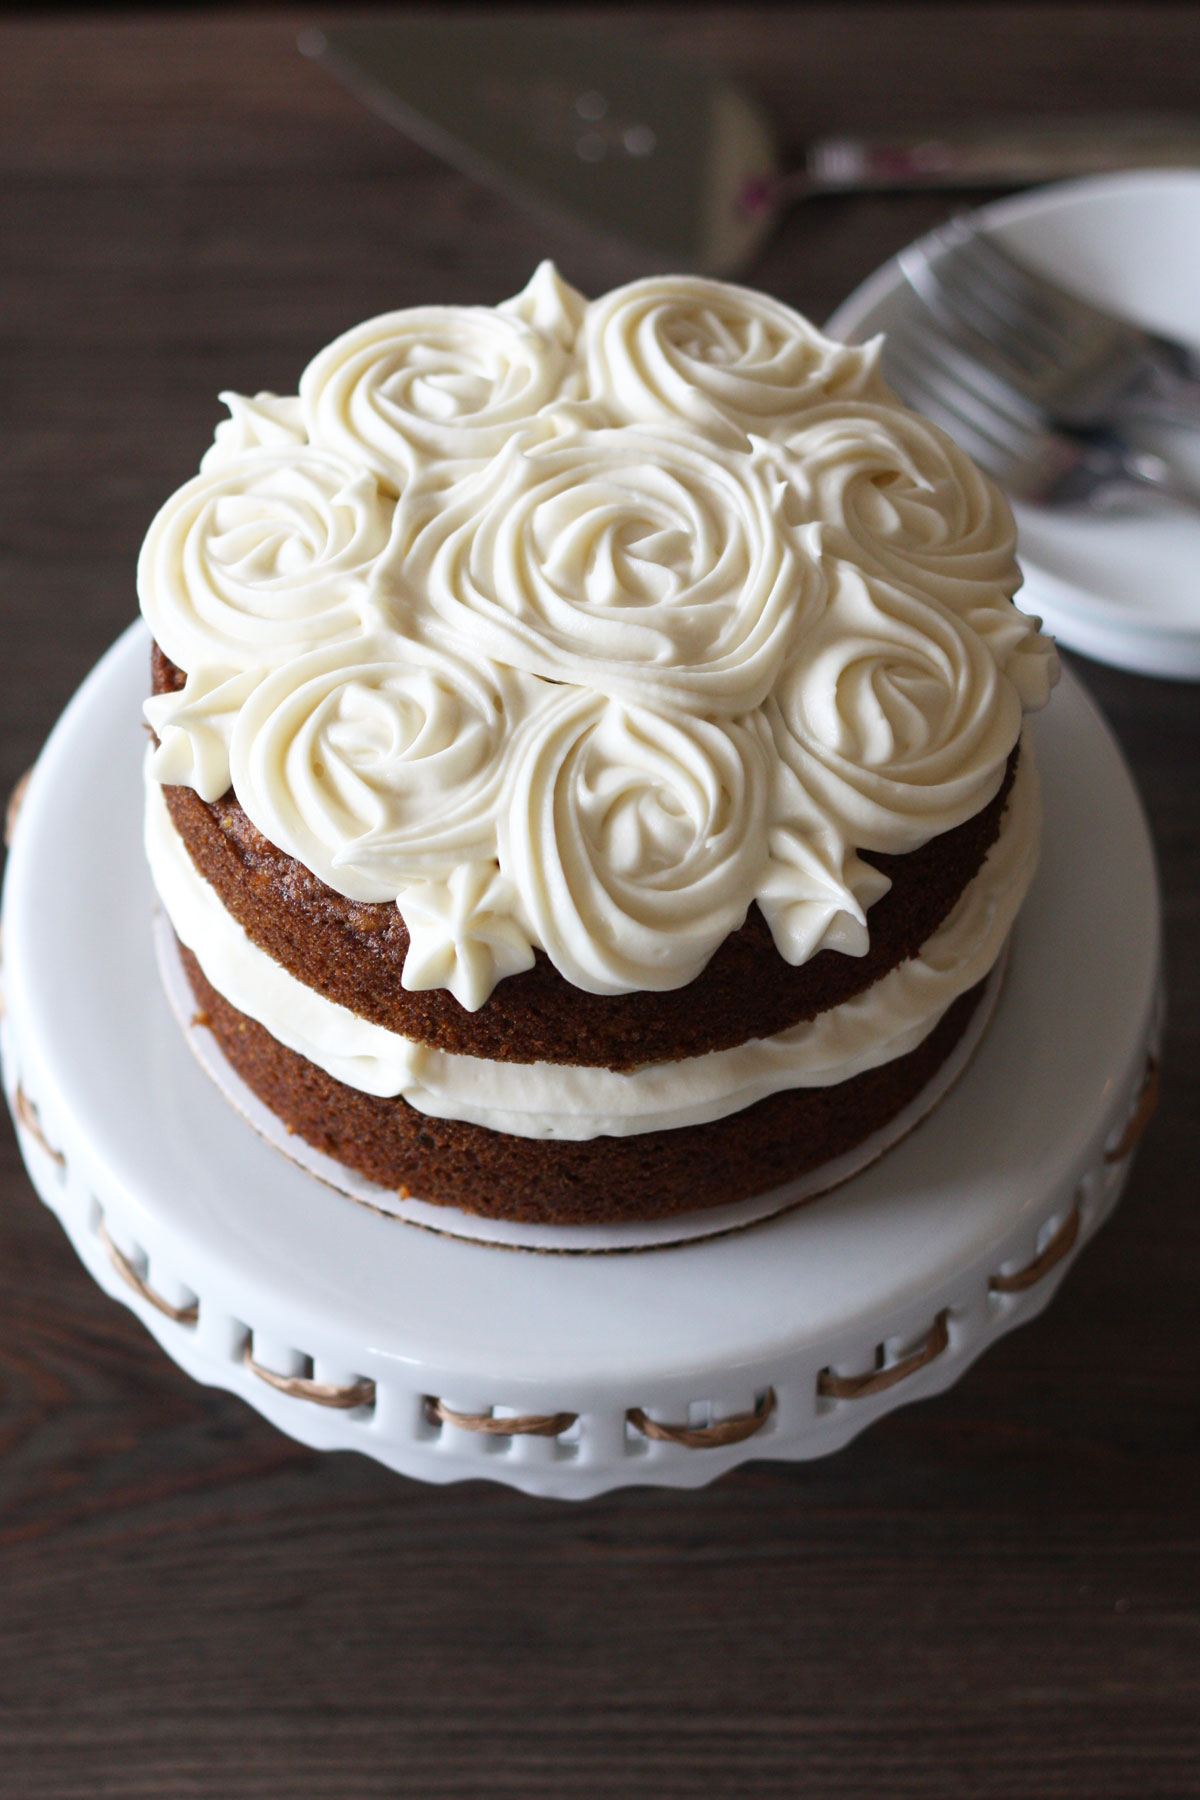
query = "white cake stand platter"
x=567 y=1375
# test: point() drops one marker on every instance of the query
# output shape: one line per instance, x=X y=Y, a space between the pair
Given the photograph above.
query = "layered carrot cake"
x=589 y=780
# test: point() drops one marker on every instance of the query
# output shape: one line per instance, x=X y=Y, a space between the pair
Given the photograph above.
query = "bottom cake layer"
x=554 y=1181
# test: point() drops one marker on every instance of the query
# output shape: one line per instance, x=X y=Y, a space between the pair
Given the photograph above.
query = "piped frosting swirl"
x=893 y=714
x=896 y=497
x=722 y=360
x=635 y=838
x=379 y=767
x=434 y=383
x=633 y=561
x=260 y=557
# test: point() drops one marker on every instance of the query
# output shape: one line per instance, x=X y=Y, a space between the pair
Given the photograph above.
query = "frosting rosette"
x=729 y=361
x=634 y=838
x=432 y=385
x=634 y=561
x=376 y=764
x=895 y=495
x=893 y=715
x=258 y=559
x=262 y=422
x=550 y=304
x=194 y=727
x=814 y=890
x=464 y=933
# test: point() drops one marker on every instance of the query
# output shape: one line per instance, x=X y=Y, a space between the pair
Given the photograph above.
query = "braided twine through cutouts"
x=874 y=1381
x=691 y=1437
x=1141 y=1115
x=27 y=1115
x=706 y=1437
x=341 y=1396
x=345 y=1396
x=1060 y=1245
x=520 y=1425
x=182 y=1315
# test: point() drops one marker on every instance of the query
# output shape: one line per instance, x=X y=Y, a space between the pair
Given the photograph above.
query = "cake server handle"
x=1009 y=153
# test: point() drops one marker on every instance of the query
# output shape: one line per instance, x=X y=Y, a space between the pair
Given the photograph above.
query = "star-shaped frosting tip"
x=550 y=304
x=194 y=728
x=463 y=934
x=815 y=899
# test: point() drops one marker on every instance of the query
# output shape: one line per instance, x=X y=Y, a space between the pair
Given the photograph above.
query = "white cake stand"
x=567 y=1375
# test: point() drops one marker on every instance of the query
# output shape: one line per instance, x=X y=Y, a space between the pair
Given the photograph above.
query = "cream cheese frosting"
x=893 y=714
x=635 y=838
x=381 y=762
x=896 y=497
x=725 y=360
x=556 y=1100
x=432 y=383
x=628 y=559
x=262 y=556
x=586 y=626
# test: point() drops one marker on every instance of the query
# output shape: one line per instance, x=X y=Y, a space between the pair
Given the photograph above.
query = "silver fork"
x=934 y=372
x=1080 y=364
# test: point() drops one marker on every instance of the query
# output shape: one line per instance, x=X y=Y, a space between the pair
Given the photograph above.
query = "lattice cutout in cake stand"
x=464 y=1435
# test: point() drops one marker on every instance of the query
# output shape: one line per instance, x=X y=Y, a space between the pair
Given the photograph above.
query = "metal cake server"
x=666 y=155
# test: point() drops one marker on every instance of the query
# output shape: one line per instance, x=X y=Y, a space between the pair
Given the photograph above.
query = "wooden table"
x=991 y=1594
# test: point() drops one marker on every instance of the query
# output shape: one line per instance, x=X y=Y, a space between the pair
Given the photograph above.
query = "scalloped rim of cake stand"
x=568 y=1376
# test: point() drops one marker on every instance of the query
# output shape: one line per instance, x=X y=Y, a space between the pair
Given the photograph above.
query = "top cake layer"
x=583 y=628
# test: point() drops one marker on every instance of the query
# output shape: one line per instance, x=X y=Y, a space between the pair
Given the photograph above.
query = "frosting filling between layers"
x=555 y=1100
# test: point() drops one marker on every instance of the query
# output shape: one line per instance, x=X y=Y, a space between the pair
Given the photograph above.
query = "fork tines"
x=934 y=371
x=1070 y=357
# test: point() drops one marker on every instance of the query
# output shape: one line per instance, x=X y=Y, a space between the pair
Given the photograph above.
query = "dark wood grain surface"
x=995 y=1593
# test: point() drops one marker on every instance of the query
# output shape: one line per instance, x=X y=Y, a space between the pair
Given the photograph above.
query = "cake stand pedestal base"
x=568 y=1375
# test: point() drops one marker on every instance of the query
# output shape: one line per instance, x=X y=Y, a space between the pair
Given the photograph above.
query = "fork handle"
x=1167 y=389
x=1113 y=464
